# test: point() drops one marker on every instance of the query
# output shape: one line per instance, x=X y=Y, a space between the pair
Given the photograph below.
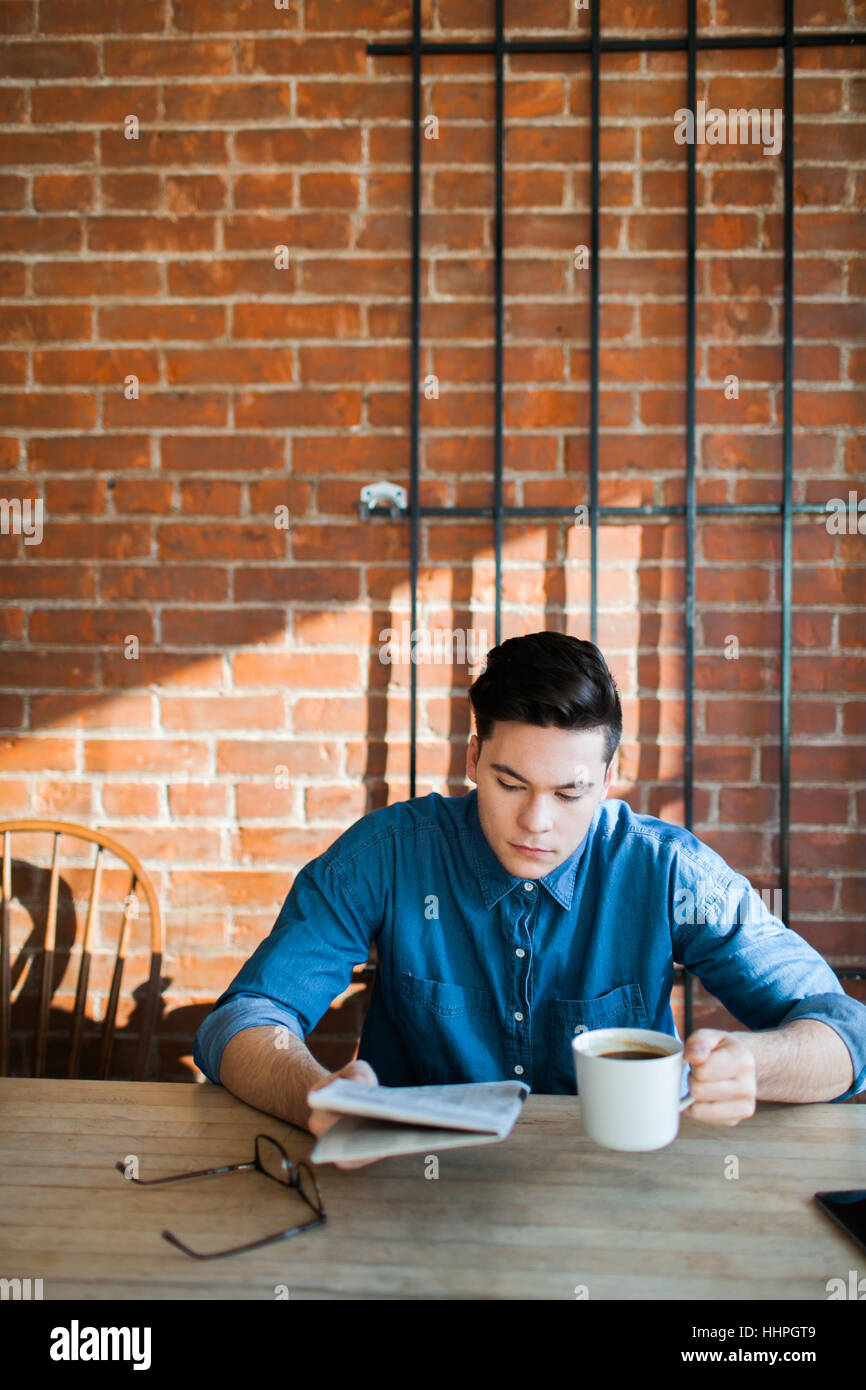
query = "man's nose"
x=535 y=817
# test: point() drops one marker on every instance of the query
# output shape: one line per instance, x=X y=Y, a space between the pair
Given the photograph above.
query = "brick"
x=262 y=758
x=83 y=712
x=187 y=583
x=295 y=847
x=74 y=627
x=170 y=410
x=819 y=805
x=151 y=755
x=854 y=717
x=819 y=763
x=206 y=889
x=189 y=713
x=338 y=804
x=32 y=753
x=121 y=799
x=40 y=409
x=169 y=57
x=47 y=670
x=251 y=541
x=323 y=670
x=161 y=668
x=834 y=849
x=198 y=799
x=57 y=800
x=11 y=712
x=197 y=627
x=216 y=453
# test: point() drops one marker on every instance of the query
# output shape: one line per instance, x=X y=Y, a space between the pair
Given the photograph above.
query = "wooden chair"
x=140 y=878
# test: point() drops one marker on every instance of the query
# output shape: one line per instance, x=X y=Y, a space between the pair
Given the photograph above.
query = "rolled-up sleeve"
x=764 y=973
x=323 y=930
x=234 y=1013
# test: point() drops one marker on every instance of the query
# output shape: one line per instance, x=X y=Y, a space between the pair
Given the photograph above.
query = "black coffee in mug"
x=645 y=1055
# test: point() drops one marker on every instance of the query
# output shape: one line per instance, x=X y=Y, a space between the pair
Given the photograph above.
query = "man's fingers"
x=727 y=1088
x=703 y=1041
x=360 y=1071
x=321 y=1120
x=722 y=1112
x=725 y=1063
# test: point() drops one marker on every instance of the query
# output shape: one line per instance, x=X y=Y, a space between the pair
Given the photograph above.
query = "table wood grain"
x=541 y=1215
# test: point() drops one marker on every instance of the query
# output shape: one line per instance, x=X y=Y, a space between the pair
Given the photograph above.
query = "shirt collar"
x=495 y=880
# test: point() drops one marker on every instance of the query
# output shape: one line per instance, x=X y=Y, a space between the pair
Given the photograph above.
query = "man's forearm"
x=804 y=1060
x=273 y=1078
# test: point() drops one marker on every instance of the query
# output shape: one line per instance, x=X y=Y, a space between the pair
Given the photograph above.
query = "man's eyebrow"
x=518 y=777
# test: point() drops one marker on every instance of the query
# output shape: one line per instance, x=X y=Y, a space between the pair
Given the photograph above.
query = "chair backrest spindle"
x=130 y=910
x=84 y=967
x=48 y=950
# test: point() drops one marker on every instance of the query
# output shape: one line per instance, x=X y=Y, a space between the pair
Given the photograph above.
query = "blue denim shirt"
x=483 y=976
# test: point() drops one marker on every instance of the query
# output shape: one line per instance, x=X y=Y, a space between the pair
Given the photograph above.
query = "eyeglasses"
x=272 y=1160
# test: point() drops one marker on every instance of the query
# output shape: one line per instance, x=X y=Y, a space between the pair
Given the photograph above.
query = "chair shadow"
x=173 y=1031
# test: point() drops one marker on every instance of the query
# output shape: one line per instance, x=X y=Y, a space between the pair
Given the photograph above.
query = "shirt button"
x=520 y=952
x=581 y=1028
x=528 y=886
x=519 y=1069
x=519 y=1017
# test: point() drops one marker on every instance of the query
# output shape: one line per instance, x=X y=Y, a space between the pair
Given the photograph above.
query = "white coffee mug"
x=633 y=1105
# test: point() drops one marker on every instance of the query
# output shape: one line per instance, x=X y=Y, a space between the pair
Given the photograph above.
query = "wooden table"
x=534 y=1217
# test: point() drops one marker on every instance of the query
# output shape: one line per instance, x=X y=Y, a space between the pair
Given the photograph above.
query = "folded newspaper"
x=380 y=1121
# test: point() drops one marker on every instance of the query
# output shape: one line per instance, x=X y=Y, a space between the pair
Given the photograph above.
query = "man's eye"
x=511 y=787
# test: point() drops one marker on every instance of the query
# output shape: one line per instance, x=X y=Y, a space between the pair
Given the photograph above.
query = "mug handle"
x=689 y=1100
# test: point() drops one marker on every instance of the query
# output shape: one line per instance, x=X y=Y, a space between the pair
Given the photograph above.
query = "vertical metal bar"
x=595 y=252
x=691 y=237
x=414 y=377
x=497 y=267
x=788 y=464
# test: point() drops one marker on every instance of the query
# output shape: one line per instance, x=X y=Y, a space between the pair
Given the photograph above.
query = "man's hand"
x=723 y=1078
x=321 y=1120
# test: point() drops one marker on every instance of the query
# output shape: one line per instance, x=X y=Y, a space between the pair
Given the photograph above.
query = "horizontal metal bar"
x=672 y=45
x=711 y=509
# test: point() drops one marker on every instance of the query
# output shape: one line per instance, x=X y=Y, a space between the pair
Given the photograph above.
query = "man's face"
x=537 y=790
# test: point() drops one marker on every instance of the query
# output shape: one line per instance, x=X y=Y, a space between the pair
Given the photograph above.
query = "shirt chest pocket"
x=447 y=1028
x=623 y=1007
x=446 y=1000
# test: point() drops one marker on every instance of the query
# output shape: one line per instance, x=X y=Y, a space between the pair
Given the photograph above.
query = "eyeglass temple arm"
x=237 y=1249
x=179 y=1177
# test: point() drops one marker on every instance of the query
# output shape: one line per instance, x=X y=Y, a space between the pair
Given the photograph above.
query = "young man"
x=526 y=911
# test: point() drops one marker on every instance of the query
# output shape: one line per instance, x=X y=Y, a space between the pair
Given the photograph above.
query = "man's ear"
x=608 y=777
x=472 y=758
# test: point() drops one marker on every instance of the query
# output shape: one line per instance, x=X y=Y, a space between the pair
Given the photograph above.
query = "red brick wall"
x=262 y=388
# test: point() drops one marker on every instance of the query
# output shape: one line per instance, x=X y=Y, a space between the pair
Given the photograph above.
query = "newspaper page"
x=354 y=1136
x=486 y=1107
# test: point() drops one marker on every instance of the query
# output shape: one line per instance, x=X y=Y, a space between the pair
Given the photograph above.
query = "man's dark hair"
x=551 y=680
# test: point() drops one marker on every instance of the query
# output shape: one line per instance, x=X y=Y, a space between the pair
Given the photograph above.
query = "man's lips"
x=528 y=849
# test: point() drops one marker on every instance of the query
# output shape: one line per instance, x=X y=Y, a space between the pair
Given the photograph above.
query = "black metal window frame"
x=691 y=43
